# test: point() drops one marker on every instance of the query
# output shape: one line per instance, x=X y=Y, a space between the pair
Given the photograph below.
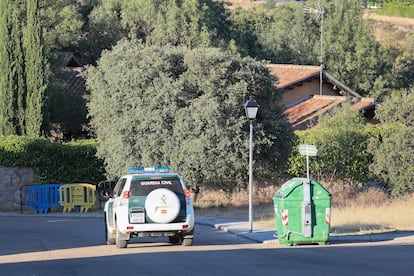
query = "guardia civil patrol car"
x=149 y=202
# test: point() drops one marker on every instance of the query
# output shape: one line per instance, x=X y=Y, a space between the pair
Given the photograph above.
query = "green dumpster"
x=302 y=219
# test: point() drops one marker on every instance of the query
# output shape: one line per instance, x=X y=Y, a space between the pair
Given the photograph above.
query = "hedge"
x=73 y=162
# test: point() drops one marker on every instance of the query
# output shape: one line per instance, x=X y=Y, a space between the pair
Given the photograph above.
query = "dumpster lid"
x=292 y=184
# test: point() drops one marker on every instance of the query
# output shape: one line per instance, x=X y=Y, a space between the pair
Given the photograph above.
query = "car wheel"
x=174 y=239
x=108 y=236
x=120 y=243
x=162 y=205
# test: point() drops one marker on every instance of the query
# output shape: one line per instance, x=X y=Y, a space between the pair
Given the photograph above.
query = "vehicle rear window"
x=142 y=187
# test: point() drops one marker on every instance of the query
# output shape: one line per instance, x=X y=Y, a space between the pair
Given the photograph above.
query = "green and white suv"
x=149 y=202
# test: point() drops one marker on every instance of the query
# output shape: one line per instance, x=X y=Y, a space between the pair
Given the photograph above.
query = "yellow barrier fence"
x=80 y=196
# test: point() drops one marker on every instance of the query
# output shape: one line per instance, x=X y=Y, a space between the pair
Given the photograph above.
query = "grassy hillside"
x=388 y=29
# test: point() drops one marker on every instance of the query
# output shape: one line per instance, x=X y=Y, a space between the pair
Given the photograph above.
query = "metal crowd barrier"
x=80 y=196
x=42 y=197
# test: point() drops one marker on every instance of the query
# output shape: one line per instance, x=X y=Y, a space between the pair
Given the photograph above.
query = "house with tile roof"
x=76 y=85
x=72 y=102
x=305 y=101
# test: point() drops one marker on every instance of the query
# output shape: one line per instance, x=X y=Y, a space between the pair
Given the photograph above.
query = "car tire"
x=120 y=243
x=175 y=239
x=110 y=239
x=162 y=205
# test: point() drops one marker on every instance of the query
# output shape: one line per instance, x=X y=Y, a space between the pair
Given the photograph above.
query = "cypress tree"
x=35 y=70
x=22 y=68
x=5 y=67
x=10 y=67
x=18 y=68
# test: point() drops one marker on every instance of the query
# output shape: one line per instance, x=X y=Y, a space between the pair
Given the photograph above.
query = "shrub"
x=341 y=139
x=53 y=163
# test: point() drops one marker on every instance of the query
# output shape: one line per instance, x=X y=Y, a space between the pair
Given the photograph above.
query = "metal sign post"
x=307 y=150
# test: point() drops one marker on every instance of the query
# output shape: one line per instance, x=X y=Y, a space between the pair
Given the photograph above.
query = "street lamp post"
x=251 y=107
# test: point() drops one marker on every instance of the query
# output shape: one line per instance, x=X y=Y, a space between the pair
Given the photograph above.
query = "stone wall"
x=12 y=179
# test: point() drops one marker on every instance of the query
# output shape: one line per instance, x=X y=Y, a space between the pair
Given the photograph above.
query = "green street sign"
x=309 y=150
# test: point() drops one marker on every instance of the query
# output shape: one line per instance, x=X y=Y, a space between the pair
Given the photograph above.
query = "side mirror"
x=106 y=194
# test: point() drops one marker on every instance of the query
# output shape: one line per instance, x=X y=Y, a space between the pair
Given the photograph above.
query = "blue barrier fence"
x=42 y=197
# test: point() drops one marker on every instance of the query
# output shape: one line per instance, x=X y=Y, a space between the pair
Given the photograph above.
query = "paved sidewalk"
x=241 y=228
x=269 y=236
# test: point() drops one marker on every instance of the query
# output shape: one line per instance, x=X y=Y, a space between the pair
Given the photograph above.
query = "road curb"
x=267 y=237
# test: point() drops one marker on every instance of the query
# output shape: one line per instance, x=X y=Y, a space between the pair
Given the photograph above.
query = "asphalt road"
x=75 y=246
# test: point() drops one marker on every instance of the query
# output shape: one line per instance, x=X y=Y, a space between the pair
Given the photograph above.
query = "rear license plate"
x=137 y=218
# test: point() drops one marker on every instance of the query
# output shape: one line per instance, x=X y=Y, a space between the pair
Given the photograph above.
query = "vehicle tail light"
x=187 y=193
x=185 y=226
x=126 y=194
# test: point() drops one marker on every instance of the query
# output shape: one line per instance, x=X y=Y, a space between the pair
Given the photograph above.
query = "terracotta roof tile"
x=70 y=60
x=304 y=113
x=76 y=84
x=364 y=103
x=289 y=74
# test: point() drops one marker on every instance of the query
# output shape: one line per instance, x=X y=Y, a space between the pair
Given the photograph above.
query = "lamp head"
x=251 y=107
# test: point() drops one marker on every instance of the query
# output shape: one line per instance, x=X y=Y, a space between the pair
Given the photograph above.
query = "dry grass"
x=244 y=4
x=368 y=214
x=390 y=29
x=358 y=212
x=219 y=198
x=403 y=22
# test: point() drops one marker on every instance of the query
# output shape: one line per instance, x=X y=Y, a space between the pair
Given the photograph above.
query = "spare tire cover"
x=162 y=205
